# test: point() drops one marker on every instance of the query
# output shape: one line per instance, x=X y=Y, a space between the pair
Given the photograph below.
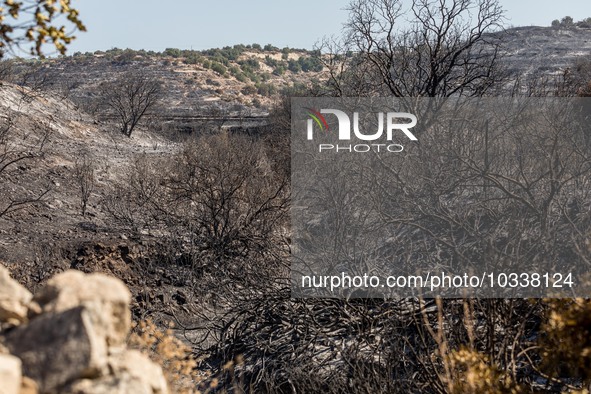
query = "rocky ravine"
x=70 y=337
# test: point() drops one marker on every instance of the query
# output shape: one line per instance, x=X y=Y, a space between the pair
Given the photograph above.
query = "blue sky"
x=200 y=24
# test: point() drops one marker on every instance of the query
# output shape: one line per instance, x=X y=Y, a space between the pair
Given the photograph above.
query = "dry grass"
x=176 y=358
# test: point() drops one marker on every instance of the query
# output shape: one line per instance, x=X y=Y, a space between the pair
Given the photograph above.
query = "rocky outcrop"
x=60 y=347
x=133 y=373
x=10 y=374
x=14 y=300
x=70 y=338
x=105 y=298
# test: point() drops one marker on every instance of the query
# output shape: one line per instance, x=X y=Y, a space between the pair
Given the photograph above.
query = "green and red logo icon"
x=318 y=118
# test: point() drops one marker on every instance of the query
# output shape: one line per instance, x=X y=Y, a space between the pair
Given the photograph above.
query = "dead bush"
x=84 y=168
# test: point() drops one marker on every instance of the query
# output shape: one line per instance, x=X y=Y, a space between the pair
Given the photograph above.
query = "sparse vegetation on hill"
x=198 y=83
x=243 y=59
x=568 y=22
